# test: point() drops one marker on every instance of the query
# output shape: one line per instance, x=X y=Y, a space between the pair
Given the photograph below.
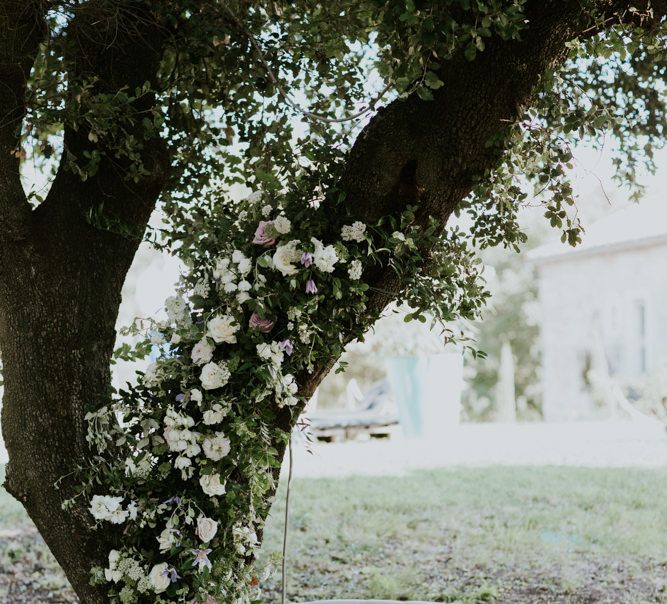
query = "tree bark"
x=61 y=278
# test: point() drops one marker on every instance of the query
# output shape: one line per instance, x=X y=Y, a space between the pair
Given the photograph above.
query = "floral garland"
x=188 y=457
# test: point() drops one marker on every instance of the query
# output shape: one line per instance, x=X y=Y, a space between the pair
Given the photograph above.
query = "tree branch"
x=23 y=28
x=431 y=153
x=118 y=48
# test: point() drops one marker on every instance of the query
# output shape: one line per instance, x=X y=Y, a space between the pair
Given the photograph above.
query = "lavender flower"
x=257 y=322
x=307 y=259
x=175 y=500
x=311 y=288
x=286 y=346
x=171 y=573
x=201 y=558
x=180 y=398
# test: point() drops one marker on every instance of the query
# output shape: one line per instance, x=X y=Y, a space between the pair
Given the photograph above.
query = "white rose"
x=159 y=578
x=202 y=352
x=214 y=375
x=166 y=539
x=211 y=485
x=285 y=257
x=206 y=528
x=177 y=309
x=222 y=329
x=282 y=225
x=217 y=447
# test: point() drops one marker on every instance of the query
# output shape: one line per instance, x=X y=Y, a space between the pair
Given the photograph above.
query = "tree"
x=132 y=103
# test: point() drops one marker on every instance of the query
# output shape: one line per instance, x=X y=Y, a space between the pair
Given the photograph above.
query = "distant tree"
x=360 y=126
x=510 y=317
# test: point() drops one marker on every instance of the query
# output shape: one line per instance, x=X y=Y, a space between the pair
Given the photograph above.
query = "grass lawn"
x=514 y=535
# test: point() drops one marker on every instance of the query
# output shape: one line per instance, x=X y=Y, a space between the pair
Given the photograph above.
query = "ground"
x=501 y=534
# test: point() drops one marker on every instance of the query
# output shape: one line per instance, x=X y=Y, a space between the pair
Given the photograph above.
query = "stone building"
x=606 y=298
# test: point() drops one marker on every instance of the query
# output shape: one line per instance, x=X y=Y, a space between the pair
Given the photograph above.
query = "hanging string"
x=283 y=598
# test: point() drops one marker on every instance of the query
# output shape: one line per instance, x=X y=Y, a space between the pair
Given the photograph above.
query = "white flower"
x=221 y=268
x=244 y=286
x=214 y=415
x=325 y=257
x=159 y=578
x=196 y=396
x=214 y=375
x=264 y=351
x=354 y=232
x=266 y=210
x=255 y=197
x=105 y=507
x=175 y=339
x=202 y=352
x=167 y=539
x=132 y=510
x=285 y=257
x=245 y=266
x=242 y=297
x=223 y=329
x=355 y=269
x=177 y=309
x=151 y=376
x=112 y=573
x=282 y=225
x=211 y=485
x=238 y=256
x=202 y=288
x=398 y=235
x=181 y=462
x=206 y=528
x=216 y=447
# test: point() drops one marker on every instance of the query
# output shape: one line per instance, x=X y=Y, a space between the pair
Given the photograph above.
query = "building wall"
x=615 y=300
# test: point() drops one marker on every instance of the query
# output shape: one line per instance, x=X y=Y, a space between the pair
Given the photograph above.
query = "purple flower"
x=261 y=236
x=180 y=397
x=532 y=124
x=286 y=346
x=201 y=558
x=307 y=259
x=257 y=322
x=311 y=288
x=171 y=573
x=176 y=500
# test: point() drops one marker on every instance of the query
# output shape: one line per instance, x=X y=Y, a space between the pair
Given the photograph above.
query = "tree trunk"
x=60 y=300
